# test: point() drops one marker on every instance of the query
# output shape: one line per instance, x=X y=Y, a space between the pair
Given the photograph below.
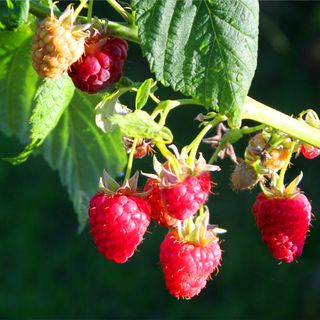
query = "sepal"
x=197 y=230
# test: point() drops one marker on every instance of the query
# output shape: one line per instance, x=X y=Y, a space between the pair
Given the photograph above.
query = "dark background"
x=48 y=270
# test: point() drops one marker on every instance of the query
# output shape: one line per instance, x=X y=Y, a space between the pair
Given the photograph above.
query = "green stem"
x=130 y=160
x=125 y=15
x=80 y=7
x=125 y=31
x=40 y=10
x=167 y=105
x=252 y=129
x=280 y=182
x=154 y=98
x=258 y=111
x=128 y=32
x=89 y=15
x=196 y=143
x=201 y=211
x=171 y=158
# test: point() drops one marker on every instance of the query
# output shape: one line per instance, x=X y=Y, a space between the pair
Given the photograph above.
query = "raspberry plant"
x=205 y=50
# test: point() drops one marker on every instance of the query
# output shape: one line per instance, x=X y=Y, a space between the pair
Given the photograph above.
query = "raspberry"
x=118 y=224
x=101 y=65
x=187 y=266
x=244 y=177
x=283 y=223
x=183 y=199
x=311 y=118
x=309 y=151
x=158 y=211
x=264 y=156
x=56 y=45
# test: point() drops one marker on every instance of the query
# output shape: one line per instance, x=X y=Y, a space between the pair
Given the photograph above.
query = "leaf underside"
x=205 y=49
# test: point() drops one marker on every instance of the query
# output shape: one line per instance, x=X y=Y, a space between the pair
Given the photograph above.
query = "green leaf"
x=144 y=92
x=80 y=151
x=14 y=13
x=105 y=109
x=76 y=147
x=18 y=83
x=24 y=155
x=50 y=101
x=139 y=124
x=205 y=49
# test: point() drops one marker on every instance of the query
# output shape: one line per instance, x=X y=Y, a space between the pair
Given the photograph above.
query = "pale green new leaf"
x=205 y=49
x=139 y=124
x=143 y=93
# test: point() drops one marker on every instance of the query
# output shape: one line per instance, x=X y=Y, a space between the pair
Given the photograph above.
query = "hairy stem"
x=257 y=111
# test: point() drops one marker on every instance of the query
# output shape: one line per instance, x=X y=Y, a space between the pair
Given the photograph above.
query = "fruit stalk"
x=130 y=160
x=90 y=7
x=280 y=182
x=196 y=143
x=116 y=6
x=170 y=157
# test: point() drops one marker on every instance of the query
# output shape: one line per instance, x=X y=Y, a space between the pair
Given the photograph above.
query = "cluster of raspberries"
x=119 y=220
x=93 y=63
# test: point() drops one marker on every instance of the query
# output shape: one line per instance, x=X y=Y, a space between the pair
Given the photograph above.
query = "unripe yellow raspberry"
x=57 y=44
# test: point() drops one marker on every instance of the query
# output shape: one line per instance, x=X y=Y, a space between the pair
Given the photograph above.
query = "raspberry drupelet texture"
x=56 y=46
x=158 y=211
x=283 y=223
x=118 y=224
x=183 y=199
x=101 y=65
x=187 y=266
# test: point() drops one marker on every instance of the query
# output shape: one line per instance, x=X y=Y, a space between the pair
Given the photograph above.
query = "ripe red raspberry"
x=183 y=199
x=101 y=65
x=158 y=211
x=56 y=45
x=187 y=266
x=118 y=223
x=311 y=118
x=309 y=151
x=283 y=223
